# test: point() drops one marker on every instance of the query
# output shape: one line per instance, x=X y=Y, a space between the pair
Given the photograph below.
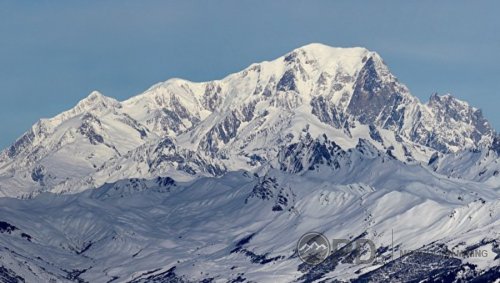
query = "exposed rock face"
x=309 y=153
x=495 y=145
x=376 y=100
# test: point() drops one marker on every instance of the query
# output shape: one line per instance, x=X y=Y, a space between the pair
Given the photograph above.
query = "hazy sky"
x=53 y=53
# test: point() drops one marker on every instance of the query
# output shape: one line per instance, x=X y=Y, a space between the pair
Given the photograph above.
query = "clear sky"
x=53 y=53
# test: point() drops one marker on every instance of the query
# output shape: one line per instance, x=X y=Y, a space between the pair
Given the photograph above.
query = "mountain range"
x=216 y=181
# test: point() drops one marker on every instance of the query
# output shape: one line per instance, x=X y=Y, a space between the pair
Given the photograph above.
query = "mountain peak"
x=320 y=47
x=96 y=99
x=447 y=100
x=95 y=94
x=326 y=54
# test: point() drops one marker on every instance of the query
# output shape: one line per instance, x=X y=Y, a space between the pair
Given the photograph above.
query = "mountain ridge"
x=217 y=181
x=345 y=93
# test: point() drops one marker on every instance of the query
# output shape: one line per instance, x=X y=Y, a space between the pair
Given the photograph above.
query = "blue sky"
x=53 y=53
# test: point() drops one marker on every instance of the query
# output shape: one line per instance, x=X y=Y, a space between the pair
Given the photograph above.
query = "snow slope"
x=246 y=226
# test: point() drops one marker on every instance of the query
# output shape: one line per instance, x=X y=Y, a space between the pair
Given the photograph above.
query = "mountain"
x=198 y=182
x=244 y=227
x=242 y=121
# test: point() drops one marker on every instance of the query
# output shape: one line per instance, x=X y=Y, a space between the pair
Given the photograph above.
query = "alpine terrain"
x=217 y=181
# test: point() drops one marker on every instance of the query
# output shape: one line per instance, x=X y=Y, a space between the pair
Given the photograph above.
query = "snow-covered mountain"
x=207 y=177
x=242 y=121
x=244 y=227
